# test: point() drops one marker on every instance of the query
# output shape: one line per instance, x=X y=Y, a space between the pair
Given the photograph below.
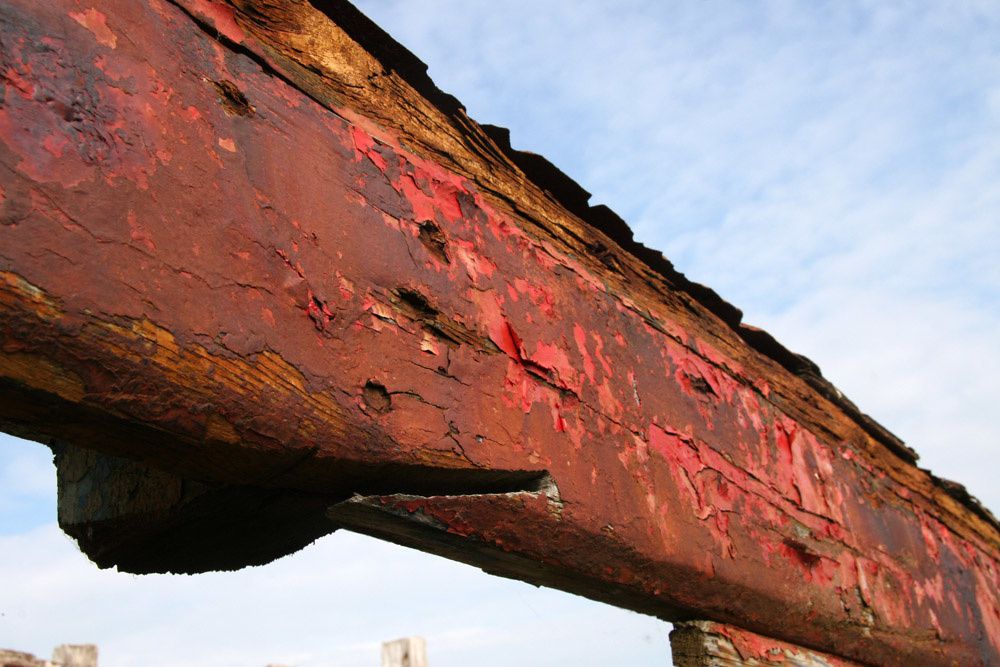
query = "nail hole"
x=234 y=102
x=433 y=239
x=377 y=397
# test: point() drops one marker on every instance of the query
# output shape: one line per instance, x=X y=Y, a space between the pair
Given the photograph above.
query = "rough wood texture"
x=248 y=244
x=405 y=652
x=707 y=644
x=141 y=519
x=75 y=655
x=64 y=655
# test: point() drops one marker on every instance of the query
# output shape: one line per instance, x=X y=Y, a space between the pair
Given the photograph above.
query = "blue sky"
x=831 y=168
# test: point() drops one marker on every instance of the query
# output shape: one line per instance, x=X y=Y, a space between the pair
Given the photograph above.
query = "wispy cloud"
x=832 y=169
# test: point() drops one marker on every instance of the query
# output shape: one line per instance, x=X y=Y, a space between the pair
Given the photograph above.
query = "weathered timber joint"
x=262 y=280
x=141 y=520
x=144 y=520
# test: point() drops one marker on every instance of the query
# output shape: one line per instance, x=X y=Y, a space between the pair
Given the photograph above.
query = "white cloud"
x=834 y=170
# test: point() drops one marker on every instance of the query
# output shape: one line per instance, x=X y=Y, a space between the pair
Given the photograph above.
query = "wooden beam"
x=248 y=245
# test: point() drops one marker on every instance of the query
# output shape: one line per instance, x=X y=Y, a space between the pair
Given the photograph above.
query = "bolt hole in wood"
x=377 y=397
x=434 y=240
x=233 y=101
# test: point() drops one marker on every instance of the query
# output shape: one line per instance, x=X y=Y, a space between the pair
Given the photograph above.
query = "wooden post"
x=64 y=655
x=708 y=644
x=75 y=655
x=405 y=652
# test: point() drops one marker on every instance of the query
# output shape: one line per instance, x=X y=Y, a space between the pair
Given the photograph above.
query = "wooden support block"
x=708 y=644
x=138 y=518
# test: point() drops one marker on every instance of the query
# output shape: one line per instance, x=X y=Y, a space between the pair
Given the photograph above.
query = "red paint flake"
x=54 y=144
x=318 y=311
x=581 y=344
x=137 y=233
x=800 y=555
x=558 y=423
x=222 y=17
x=447 y=199
x=377 y=159
x=609 y=403
x=475 y=264
x=576 y=432
x=420 y=202
x=599 y=353
x=501 y=228
x=21 y=84
x=507 y=340
x=932 y=588
x=674 y=447
x=97 y=24
x=540 y=296
x=520 y=388
x=690 y=367
x=717 y=358
x=346 y=287
x=986 y=598
x=363 y=142
x=555 y=359
x=801 y=477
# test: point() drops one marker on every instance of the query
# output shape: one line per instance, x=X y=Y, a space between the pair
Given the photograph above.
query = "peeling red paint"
x=665 y=449
x=96 y=23
x=222 y=17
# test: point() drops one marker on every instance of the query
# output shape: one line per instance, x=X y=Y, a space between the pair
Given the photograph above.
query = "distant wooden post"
x=75 y=655
x=708 y=644
x=405 y=652
x=65 y=655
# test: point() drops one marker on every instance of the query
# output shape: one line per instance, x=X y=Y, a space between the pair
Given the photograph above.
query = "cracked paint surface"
x=701 y=642
x=204 y=248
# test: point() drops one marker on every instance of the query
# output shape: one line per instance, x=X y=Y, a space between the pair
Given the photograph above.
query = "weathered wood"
x=75 y=655
x=64 y=655
x=707 y=644
x=141 y=519
x=405 y=652
x=248 y=246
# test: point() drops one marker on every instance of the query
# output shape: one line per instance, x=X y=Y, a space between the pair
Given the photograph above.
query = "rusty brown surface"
x=239 y=247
